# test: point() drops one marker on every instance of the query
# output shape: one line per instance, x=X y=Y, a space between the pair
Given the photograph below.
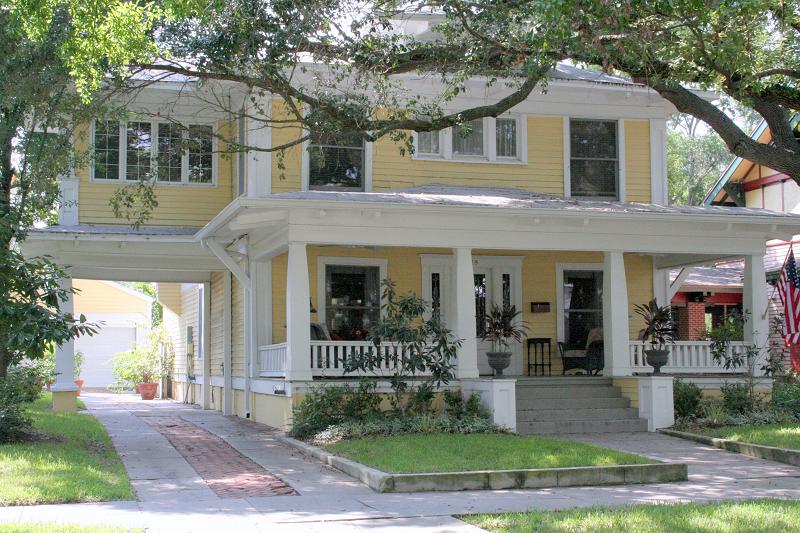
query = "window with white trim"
x=488 y=139
x=594 y=159
x=336 y=164
x=166 y=152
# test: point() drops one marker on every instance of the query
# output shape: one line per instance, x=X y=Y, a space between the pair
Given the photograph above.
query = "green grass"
x=75 y=462
x=454 y=452
x=36 y=527
x=766 y=516
x=780 y=435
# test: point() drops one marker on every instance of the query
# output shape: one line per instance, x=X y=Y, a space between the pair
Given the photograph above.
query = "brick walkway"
x=226 y=471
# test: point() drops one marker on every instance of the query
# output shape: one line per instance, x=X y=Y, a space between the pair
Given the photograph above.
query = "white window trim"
x=567 y=145
x=305 y=165
x=123 y=153
x=489 y=144
x=560 y=268
x=324 y=261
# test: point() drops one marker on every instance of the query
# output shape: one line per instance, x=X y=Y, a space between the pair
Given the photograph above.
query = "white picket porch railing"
x=272 y=360
x=328 y=358
x=690 y=357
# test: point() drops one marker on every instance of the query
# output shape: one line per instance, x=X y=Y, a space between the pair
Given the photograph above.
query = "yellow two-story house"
x=557 y=207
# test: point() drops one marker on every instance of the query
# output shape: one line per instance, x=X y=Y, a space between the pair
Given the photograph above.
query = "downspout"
x=244 y=277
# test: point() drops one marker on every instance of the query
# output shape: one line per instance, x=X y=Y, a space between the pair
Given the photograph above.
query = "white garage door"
x=99 y=352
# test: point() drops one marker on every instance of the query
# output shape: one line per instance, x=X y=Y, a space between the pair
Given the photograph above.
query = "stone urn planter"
x=499 y=361
x=656 y=359
x=148 y=390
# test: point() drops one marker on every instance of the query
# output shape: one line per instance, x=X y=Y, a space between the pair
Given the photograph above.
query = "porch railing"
x=690 y=357
x=329 y=358
x=272 y=360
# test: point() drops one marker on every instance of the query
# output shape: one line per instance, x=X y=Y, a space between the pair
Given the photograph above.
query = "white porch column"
x=756 y=329
x=298 y=317
x=615 y=316
x=227 y=360
x=206 y=349
x=467 y=363
x=64 y=389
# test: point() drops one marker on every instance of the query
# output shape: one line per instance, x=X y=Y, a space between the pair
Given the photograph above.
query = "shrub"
x=14 y=422
x=713 y=412
x=28 y=381
x=457 y=407
x=418 y=424
x=738 y=398
x=323 y=407
x=687 y=398
x=786 y=397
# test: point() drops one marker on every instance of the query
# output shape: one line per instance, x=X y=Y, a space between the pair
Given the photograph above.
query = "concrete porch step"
x=567 y=391
x=572 y=403
x=560 y=381
x=580 y=426
x=626 y=413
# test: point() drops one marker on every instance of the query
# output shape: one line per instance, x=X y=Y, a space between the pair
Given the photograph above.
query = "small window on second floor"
x=201 y=154
x=139 y=151
x=428 y=143
x=506 y=137
x=594 y=165
x=106 y=150
x=336 y=164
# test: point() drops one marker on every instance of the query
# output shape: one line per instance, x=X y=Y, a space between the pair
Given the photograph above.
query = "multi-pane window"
x=480 y=303
x=336 y=164
x=594 y=165
x=162 y=151
x=106 y=150
x=506 y=137
x=436 y=295
x=170 y=138
x=201 y=154
x=583 y=307
x=138 y=150
x=428 y=143
x=352 y=300
x=468 y=140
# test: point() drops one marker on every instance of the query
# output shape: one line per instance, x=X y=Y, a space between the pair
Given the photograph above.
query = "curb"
x=538 y=478
x=759 y=451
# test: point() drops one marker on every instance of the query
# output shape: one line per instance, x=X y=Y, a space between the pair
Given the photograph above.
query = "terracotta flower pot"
x=79 y=383
x=148 y=390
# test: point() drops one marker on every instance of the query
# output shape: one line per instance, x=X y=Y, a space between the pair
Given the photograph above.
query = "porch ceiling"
x=508 y=219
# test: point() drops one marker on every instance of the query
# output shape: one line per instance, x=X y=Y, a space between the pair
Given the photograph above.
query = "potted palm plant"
x=502 y=327
x=658 y=332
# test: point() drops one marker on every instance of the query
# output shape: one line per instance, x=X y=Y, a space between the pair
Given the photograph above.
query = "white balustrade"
x=685 y=357
x=329 y=358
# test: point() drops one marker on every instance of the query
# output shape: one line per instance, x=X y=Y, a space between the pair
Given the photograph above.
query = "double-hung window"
x=594 y=160
x=336 y=163
x=488 y=139
x=164 y=152
x=352 y=300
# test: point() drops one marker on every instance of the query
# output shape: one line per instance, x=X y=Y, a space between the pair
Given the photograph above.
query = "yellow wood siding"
x=287 y=178
x=237 y=328
x=539 y=283
x=637 y=161
x=178 y=205
x=216 y=355
x=169 y=295
x=189 y=305
x=629 y=388
x=95 y=296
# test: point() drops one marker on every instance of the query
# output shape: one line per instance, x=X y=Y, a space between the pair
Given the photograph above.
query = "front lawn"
x=455 y=452
x=769 y=516
x=71 y=460
x=779 y=435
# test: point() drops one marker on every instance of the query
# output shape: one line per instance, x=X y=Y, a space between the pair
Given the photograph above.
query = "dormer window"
x=336 y=164
x=594 y=160
x=165 y=152
x=483 y=140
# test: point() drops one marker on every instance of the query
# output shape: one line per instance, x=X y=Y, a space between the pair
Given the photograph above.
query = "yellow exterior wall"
x=629 y=388
x=287 y=178
x=169 y=295
x=637 y=161
x=237 y=328
x=539 y=282
x=95 y=296
x=216 y=332
x=178 y=205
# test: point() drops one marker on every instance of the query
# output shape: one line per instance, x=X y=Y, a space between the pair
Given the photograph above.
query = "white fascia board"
x=110 y=237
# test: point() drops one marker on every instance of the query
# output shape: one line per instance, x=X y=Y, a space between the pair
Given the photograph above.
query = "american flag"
x=789 y=292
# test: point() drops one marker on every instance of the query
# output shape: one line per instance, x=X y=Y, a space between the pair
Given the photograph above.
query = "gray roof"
x=98 y=229
x=711 y=277
x=564 y=71
x=448 y=195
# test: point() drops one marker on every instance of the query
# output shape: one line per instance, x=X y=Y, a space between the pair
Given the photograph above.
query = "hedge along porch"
x=280 y=248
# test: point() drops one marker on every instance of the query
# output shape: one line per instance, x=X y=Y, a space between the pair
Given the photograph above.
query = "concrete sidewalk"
x=173 y=497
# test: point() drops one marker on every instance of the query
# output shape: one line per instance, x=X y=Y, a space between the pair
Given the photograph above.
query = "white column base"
x=656 y=401
x=498 y=396
x=63 y=387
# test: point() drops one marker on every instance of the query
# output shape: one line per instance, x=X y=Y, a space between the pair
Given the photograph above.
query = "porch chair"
x=590 y=358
